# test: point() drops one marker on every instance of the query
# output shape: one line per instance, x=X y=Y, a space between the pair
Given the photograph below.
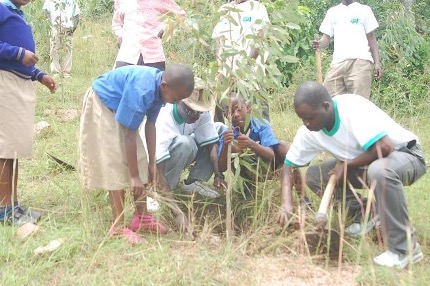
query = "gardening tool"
x=60 y=162
x=321 y=216
x=324 y=240
x=318 y=61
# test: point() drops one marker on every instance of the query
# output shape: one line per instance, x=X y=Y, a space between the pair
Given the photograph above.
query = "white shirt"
x=349 y=25
x=238 y=21
x=62 y=12
x=358 y=125
x=169 y=125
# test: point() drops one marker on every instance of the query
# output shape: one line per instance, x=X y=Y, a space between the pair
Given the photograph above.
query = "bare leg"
x=140 y=203
x=117 y=205
x=8 y=181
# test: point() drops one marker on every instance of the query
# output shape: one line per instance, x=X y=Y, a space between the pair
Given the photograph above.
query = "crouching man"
x=185 y=134
x=358 y=134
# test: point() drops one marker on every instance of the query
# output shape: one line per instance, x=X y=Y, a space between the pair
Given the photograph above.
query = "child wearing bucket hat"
x=186 y=133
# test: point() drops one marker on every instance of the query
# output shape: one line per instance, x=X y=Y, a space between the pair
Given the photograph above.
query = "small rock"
x=39 y=126
x=53 y=245
x=26 y=230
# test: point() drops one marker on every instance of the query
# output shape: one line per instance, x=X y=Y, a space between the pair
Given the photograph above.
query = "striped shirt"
x=137 y=23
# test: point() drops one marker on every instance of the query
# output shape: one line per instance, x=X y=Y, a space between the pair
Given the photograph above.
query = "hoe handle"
x=321 y=216
x=318 y=62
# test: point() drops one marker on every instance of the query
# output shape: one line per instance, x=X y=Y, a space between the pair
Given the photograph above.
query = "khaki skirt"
x=103 y=160
x=17 y=105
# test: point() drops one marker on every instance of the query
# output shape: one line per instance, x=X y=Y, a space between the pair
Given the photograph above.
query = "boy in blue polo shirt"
x=17 y=106
x=257 y=136
x=112 y=155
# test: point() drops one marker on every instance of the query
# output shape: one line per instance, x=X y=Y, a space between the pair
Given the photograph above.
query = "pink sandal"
x=147 y=223
x=128 y=234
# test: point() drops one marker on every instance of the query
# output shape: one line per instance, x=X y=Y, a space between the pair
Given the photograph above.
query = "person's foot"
x=400 y=261
x=147 y=223
x=20 y=215
x=201 y=189
x=357 y=229
x=130 y=236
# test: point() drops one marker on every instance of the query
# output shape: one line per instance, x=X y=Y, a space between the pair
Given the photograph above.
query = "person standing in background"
x=240 y=23
x=355 y=48
x=64 y=18
x=138 y=29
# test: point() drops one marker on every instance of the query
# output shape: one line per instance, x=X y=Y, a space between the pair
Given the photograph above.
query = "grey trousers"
x=183 y=152
x=392 y=173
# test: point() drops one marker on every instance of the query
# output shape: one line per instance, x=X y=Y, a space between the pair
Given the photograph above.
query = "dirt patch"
x=297 y=271
x=65 y=115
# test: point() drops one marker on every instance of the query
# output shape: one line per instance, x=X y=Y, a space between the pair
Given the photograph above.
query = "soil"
x=298 y=271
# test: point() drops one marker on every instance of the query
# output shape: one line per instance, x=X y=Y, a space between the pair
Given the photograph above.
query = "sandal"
x=147 y=223
x=21 y=215
x=130 y=236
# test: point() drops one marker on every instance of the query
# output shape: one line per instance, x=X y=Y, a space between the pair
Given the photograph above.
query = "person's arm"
x=287 y=181
x=181 y=220
x=218 y=177
x=266 y=153
x=227 y=138
x=131 y=154
x=374 y=50
x=219 y=50
x=321 y=43
x=117 y=22
x=150 y=135
x=381 y=149
x=75 y=20
x=255 y=52
x=49 y=82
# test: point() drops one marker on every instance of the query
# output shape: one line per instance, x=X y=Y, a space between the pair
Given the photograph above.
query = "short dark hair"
x=179 y=76
x=312 y=93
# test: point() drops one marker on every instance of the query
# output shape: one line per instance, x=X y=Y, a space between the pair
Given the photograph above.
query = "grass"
x=263 y=254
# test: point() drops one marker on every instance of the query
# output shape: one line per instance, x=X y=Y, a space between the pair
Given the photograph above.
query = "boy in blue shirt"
x=257 y=136
x=112 y=155
x=17 y=106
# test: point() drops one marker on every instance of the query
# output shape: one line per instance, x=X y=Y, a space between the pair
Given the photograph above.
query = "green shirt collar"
x=336 y=122
x=176 y=115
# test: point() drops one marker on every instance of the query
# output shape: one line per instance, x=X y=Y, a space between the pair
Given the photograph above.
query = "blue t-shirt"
x=131 y=92
x=259 y=131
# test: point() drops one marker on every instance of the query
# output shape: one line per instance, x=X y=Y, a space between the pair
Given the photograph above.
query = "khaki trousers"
x=61 y=50
x=350 y=76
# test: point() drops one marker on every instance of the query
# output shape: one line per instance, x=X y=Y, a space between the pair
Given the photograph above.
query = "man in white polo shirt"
x=358 y=134
x=352 y=26
x=240 y=23
x=186 y=133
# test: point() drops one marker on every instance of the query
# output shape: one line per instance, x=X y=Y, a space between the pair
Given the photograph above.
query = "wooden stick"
x=318 y=61
x=321 y=216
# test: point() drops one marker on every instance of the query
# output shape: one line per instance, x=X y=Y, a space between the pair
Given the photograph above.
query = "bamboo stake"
x=318 y=61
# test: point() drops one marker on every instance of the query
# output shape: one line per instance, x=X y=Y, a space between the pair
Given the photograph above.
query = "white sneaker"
x=400 y=261
x=200 y=188
x=355 y=229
